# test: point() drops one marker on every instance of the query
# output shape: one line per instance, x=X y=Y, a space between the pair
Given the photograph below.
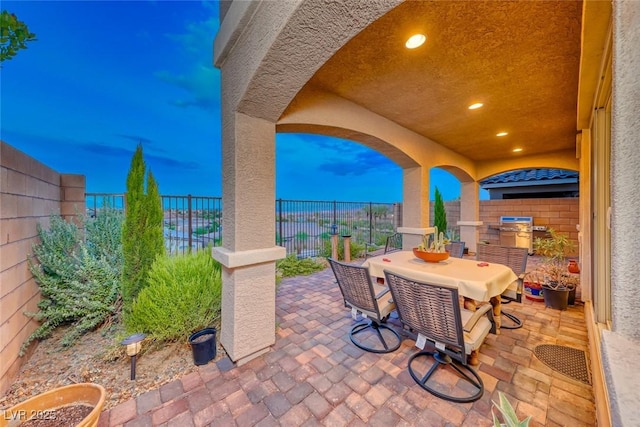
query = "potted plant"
x=533 y=287
x=434 y=251
x=557 y=282
x=80 y=404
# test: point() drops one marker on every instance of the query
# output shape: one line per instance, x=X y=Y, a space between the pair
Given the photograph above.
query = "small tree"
x=14 y=35
x=142 y=239
x=440 y=215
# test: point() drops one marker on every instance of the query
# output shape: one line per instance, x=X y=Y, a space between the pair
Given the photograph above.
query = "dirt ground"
x=98 y=358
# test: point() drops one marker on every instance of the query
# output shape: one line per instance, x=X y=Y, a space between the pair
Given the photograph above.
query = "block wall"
x=561 y=214
x=29 y=193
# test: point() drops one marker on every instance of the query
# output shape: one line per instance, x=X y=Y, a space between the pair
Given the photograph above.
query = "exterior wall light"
x=475 y=106
x=502 y=134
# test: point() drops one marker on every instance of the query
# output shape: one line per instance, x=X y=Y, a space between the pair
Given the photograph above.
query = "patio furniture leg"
x=441 y=360
x=373 y=326
x=473 y=358
x=469 y=304
x=497 y=309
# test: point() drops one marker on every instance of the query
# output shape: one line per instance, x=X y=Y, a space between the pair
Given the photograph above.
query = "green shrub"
x=292 y=266
x=183 y=295
x=356 y=249
x=79 y=280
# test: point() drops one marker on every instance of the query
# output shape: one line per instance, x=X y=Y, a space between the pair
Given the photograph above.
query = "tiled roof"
x=530 y=175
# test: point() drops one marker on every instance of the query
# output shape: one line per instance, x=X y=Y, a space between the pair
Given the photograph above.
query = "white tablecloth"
x=472 y=281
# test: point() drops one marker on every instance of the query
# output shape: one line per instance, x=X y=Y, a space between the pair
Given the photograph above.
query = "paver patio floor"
x=314 y=375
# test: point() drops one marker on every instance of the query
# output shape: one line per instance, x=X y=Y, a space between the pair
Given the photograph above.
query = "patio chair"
x=392 y=244
x=373 y=302
x=434 y=313
x=455 y=248
x=516 y=259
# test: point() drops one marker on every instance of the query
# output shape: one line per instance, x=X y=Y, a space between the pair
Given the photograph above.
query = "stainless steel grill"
x=517 y=231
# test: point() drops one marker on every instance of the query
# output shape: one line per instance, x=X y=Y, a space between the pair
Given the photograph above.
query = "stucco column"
x=248 y=235
x=625 y=164
x=415 y=211
x=469 y=214
x=621 y=345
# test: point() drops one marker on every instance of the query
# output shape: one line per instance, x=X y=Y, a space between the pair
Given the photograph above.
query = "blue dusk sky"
x=105 y=76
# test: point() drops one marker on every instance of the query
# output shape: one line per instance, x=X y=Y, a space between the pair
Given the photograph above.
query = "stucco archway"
x=267 y=53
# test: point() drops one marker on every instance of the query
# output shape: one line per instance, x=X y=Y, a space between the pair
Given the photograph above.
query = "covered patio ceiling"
x=520 y=59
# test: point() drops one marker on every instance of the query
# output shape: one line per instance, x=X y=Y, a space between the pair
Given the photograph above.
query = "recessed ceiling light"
x=475 y=106
x=415 y=41
x=502 y=134
x=517 y=150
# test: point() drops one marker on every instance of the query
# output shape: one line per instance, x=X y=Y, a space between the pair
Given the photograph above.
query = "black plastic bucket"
x=556 y=298
x=203 y=346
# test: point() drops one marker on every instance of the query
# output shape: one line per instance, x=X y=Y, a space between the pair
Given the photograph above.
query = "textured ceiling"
x=521 y=59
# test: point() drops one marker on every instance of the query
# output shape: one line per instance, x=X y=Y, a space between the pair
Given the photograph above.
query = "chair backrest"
x=455 y=248
x=431 y=310
x=356 y=286
x=511 y=256
x=394 y=243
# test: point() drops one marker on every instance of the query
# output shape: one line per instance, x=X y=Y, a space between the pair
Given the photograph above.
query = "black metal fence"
x=303 y=227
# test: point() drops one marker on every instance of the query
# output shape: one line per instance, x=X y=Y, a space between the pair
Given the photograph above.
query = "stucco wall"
x=29 y=193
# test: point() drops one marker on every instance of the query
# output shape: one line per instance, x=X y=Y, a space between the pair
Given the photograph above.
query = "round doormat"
x=566 y=360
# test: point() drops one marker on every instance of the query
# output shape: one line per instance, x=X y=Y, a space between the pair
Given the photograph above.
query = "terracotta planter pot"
x=45 y=404
x=430 y=256
x=573 y=267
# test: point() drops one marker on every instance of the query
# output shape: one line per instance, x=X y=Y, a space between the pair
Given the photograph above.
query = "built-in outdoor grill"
x=517 y=231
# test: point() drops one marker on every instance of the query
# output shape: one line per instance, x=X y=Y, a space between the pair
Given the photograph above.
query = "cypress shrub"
x=142 y=239
x=440 y=215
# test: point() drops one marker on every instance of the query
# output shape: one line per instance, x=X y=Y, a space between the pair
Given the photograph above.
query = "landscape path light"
x=134 y=344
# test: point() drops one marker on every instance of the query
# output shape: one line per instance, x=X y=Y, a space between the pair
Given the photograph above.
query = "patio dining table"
x=475 y=281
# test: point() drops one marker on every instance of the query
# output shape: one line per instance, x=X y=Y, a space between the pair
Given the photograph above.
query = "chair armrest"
x=481 y=311
x=382 y=293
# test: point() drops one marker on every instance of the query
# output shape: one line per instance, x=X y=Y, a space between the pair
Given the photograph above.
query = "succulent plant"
x=437 y=244
x=508 y=414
